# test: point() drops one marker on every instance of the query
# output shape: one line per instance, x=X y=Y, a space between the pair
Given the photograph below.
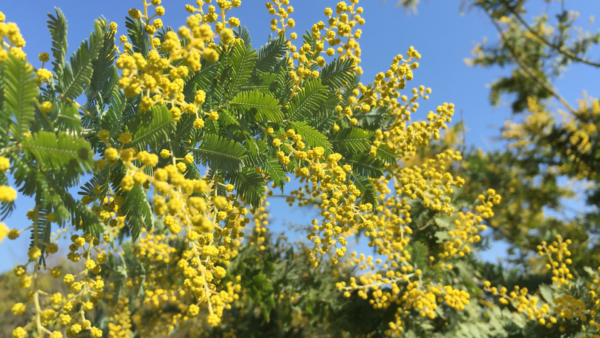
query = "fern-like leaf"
x=269 y=54
x=337 y=73
x=138 y=213
x=220 y=154
x=266 y=106
x=78 y=74
x=81 y=215
x=59 y=151
x=157 y=132
x=68 y=118
x=244 y=34
x=112 y=118
x=366 y=165
x=103 y=65
x=58 y=30
x=378 y=118
x=19 y=95
x=351 y=140
x=307 y=101
x=249 y=184
x=243 y=60
x=276 y=173
x=227 y=118
x=263 y=83
x=311 y=136
x=386 y=155
x=137 y=35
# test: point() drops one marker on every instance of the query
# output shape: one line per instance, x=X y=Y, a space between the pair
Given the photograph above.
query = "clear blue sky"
x=438 y=32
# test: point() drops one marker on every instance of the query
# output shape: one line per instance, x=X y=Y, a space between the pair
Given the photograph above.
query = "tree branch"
x=529 y=72
x=559 y=49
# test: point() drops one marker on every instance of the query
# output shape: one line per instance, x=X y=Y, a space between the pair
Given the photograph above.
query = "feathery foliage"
x=20 y=92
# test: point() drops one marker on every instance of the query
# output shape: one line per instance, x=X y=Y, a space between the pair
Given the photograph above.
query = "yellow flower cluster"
x=119 y=325
x=260 y=218
x=468 y=227
x=16 y=42
x=63 y=311
x=558 y=265
x=566 y=309
x=338 y=32
x=156 y=77
x=211 y=227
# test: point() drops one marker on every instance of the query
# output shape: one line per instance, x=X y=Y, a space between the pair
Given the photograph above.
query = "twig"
x=553 y=46
x=530 y=72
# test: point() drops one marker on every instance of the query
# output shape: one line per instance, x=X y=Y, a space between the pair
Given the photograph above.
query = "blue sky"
x=442 y=36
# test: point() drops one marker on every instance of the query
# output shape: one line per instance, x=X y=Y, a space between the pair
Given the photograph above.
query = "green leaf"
x=244 y=34
x=368 y=193
x=81 y=215
x=102 y=66
x=157 y=132
x=377 y=118
x=338 y=73
x=138 y=213
x=68 y=118
x=20 y=95
x=220 y=154
x=385 y=154
x=351 y=140
x=307 y=100
x=43 y=231
x=212 y=127
x=243 y=60
x=311 y=136
x=269 y=54
x=58 y=30
x=276 y=173
x=263 y=83
x=227 y=119
x=419 y=255
x=266 y=106
x=137 y=34
x=112 y=118
x=366 y=165
x=257 y=151
x=547 y=294
x=78 y=74
x=249 y=184
x=4 y=115
x=57 y=151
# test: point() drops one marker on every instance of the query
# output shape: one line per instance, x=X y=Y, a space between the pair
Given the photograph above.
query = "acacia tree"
x=167 y=251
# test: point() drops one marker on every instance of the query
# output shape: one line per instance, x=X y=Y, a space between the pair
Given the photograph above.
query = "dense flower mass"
x=154 y=239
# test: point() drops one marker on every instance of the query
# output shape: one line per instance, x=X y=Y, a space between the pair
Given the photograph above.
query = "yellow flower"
x=227 y=36
x=18 y=309
x=44 y=57
x=7 y=194
x=3 y=231
x=210 y=55
x=19 y=332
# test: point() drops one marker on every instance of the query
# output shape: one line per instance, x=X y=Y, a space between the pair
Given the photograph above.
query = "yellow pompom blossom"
x=7 y=194
x=4 y=231
x=4 y=164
